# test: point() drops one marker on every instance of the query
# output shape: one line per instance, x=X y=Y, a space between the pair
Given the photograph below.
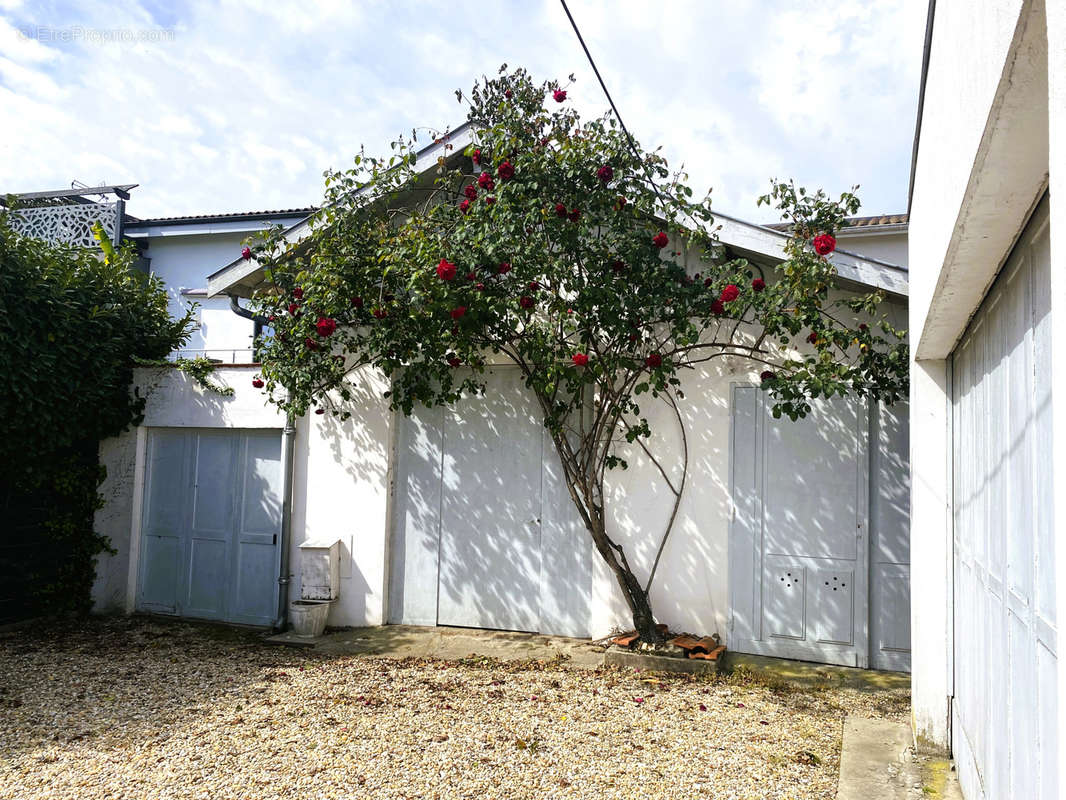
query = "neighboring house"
x=791 y=538
x=988 y=395
x=183 y=251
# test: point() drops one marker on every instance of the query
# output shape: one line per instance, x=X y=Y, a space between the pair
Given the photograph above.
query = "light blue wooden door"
x=211 y=524
x=799 y=540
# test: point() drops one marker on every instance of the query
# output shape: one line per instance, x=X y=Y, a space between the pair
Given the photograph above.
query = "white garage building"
x=988 y=396
x=457 y=516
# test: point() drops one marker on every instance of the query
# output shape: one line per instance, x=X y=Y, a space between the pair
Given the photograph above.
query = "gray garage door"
x=212 y=520
x=484 y=533
x=1003 y=712
x=819 y=561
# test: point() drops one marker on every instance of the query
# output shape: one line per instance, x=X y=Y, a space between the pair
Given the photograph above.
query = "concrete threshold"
x=877 y=760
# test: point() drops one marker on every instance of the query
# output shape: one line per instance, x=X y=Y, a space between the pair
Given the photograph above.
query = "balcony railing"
x=237 y=356
x=69 y=224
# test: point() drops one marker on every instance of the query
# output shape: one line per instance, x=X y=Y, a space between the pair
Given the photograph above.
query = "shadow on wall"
x=688 y=591
x=342 y=469
x=478 y=538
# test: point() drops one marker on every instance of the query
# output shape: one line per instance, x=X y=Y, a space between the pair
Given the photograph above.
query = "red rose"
x=257 y=383
x=298 y=293
x=618 y=266
x=480 y=287
x=525 y=301
x=717 y=307
x=758 y=285
x=574 y=215
x=507 y=93
x=380 y=313
x=707 y=283
x=470 y=191
x=471 y=276
x=812 y=337
x=505 y=171
x=445 y=270
x=654 y=361
x=660 y=240
x=476 y=157
x=454 y=360
x=560 y=211
x=458 y=312
x=824 y=244
x=559 y=95
x=484 y=180
x=326 y=327
x=489 y=200
x=310 y=343
x=767 y=376
x=357 y=302
x=464 y=206
x=272 y=319
x=320 y=411
x=533 y=286
x=580 y=359
x=730 y=293
x=864 y=327
x=621 y=203
x=605 y=173
x=504 y=267
x=246 y=253
x=294 y=309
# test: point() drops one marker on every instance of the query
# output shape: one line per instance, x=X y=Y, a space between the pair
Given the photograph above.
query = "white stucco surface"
x=995 y=88
x=340 y=486
x=890 y=247
x=1056 y=35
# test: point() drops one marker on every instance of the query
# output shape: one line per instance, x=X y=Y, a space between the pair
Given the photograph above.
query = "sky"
x=237 y=106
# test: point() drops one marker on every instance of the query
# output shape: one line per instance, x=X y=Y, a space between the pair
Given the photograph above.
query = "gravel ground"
x=146 y=709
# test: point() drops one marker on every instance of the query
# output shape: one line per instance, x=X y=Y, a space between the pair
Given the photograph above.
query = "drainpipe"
x=288 y=451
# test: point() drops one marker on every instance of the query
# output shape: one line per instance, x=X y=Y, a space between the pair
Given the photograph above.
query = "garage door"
x=819 y=564
x=484 y=532
x=212 y=520
x=1003 y=711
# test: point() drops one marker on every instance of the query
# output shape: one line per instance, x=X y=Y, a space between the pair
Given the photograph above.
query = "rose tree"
x=551 y=244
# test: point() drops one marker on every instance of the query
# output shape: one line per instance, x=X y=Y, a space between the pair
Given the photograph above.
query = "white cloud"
x=246 y=104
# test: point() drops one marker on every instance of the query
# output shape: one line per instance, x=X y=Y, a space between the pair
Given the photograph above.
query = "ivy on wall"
x=73 y=323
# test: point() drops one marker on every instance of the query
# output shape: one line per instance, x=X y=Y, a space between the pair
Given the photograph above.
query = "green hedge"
x=72 y=325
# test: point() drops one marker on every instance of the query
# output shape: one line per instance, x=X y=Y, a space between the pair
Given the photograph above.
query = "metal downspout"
x=288 y=452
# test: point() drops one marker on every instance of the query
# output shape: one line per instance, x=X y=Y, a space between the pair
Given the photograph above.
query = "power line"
x=614 y=108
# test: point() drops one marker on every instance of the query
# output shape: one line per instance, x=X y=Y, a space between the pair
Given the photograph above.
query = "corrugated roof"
x=227 y=217
x=857 y=222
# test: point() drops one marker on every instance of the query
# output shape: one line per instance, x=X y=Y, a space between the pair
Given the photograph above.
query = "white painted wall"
x=341 y=482
x=184 y=262
x=982 y=164
x=883 y=246
x=1056 y=50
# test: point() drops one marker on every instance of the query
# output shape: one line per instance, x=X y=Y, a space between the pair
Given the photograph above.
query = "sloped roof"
x=876 y=221
x=232 y=216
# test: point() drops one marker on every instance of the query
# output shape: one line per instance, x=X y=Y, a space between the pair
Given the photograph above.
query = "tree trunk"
x=635 y=596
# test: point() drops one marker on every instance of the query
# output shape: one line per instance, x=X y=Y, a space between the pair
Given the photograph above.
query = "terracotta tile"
x=686 y=642
x=714 y=655
x=626 y=639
